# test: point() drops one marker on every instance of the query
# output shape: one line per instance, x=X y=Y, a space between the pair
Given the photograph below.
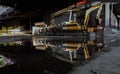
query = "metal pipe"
x=70 y=17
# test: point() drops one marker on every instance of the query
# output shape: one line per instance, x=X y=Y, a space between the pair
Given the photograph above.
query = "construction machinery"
x=73 y=25
x=39 y=28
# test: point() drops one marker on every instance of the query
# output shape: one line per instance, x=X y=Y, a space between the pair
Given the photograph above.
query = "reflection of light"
x=12 y=43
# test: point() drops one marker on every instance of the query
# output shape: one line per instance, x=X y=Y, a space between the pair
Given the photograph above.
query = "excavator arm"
x=87 y=17
x=88 y=11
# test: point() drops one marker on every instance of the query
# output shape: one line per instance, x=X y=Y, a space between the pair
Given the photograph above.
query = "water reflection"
x=16 y=43
x=28 y=60
x=49 y=55
x=69 y=49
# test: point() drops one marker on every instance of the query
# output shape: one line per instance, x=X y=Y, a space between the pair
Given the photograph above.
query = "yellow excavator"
x=72 y=25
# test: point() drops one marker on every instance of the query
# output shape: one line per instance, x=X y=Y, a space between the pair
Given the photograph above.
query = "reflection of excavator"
x=41 y=43
x=73 y=25
x=70 y=50
x=68 y=47
x=73 y=47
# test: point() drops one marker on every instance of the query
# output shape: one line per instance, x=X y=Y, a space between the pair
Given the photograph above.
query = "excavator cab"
x=72 y=25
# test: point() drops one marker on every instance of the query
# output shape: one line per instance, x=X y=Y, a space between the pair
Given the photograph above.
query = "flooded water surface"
x=48 y=55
